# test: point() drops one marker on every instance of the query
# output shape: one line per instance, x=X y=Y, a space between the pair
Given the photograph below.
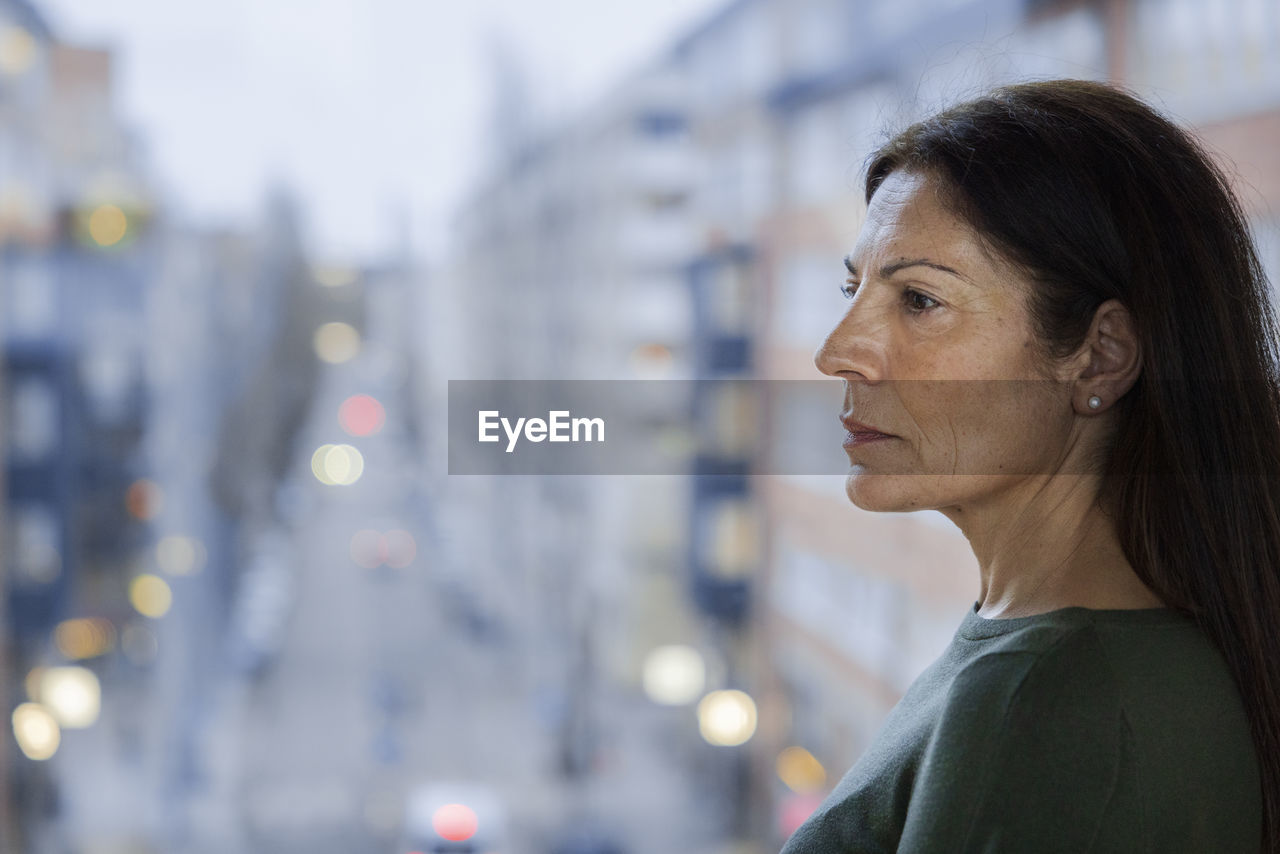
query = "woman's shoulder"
x=1042 y=667
x=1110 y=659
x=1102 y=716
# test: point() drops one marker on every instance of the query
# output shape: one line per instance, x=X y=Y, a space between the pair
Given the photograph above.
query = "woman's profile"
x=1059 y=336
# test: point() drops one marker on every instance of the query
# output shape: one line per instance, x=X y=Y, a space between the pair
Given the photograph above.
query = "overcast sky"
x=360 y=105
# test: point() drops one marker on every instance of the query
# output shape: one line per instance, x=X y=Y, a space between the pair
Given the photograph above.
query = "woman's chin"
x=882 y=493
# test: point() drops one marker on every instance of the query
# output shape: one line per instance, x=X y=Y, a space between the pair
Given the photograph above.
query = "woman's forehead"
x=908 y=217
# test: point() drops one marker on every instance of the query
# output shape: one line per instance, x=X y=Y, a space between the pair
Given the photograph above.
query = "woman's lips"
x=853 y=440
x=857 y=433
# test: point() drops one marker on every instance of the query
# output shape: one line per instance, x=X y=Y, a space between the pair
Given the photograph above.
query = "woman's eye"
x=918 y=302
x=915 y=302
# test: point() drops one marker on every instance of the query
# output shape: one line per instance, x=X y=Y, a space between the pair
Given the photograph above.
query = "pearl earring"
x=1095 y=402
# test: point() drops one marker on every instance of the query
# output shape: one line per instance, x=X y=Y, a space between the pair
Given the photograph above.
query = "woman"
x=1059 y=336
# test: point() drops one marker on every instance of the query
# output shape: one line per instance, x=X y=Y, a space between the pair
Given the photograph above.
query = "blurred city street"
x=384 y=677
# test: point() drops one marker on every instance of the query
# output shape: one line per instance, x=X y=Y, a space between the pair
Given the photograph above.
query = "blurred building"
x=572 y=264
x=1215 y=66
x=154 y=377
x=74 y=261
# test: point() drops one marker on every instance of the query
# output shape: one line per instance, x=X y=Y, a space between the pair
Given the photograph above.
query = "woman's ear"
x=1109 y=360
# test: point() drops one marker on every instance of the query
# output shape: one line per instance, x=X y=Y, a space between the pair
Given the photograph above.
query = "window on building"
x=729 y=537
x=35 y=554
x=32 y=300
x=32 y=417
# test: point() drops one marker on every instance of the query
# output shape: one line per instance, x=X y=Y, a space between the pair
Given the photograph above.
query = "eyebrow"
x=889 y=269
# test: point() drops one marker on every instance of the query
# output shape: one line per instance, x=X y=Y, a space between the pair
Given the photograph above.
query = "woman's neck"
x=1053 y=549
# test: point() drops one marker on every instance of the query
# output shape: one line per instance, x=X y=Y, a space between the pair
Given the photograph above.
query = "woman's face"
x=936 y=349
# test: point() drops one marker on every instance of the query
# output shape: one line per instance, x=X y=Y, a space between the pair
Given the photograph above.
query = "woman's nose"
x=851 y=347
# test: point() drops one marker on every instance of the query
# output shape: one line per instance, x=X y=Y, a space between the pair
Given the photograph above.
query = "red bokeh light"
x=455 y=822
x=143 y=499
x=399 y=548
x=361 y=415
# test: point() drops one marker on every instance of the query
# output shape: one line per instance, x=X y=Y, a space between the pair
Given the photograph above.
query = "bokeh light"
x=108 y=225
x=17 y=50
x=150 y=595
x=317 y=464
x=399 y=548
x=727 y=718
x=36 y=731
x=674 y=675
x=144 y=499
x=800 y=770
x=72 y=695
x=337 y=465
x=361 y=415
x=84 y=637
x=336 y=342
x=455 y=822
x=179 y=555
x=651 y=360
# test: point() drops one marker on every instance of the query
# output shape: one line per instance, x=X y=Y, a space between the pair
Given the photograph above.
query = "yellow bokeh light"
x=342 y=465
x=17 y=50
x=150 y=595
x=317 y=464
x=801 y=770
x=337 y=465
x=179 y=555
x=84 y=637
x=107 y=225
x=36 y=731
x=674 y=675
x=72 y=695
x=727 y=718
x=336 y=342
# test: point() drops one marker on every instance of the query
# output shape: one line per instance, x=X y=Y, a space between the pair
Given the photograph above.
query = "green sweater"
x=1075 y=731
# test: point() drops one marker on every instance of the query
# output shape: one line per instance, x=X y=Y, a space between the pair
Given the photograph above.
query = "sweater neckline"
x=976 y=627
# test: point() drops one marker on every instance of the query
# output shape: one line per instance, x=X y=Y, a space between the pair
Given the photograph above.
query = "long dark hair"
x=1096 y=196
